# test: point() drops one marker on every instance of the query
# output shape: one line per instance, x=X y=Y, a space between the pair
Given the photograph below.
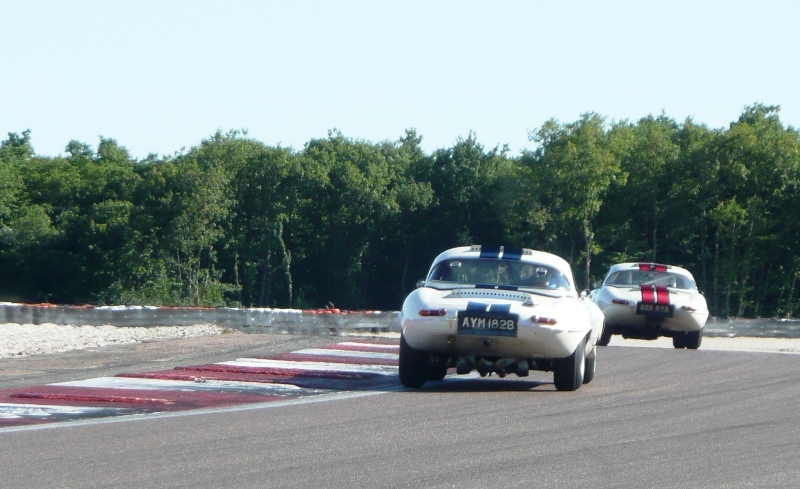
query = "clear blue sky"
x=160 y=76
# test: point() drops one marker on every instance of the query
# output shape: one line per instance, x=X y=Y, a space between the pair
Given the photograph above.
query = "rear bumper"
x=440 y=336
x=624 y=316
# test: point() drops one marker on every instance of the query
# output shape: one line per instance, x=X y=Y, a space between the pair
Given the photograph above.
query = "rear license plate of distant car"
x=647 y=309
x=487 y=323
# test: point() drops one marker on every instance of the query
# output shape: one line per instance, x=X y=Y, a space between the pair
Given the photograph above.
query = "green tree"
x=13 y=151
x=648 y=158
x=574 y=167
x=759 y=161
x=268 y=195
x=399 y=256
x=86 y=199
x=465 y=185
x=176 y=216
x=350 y=198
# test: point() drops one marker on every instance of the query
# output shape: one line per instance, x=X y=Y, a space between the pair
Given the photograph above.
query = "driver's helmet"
x=527 y=271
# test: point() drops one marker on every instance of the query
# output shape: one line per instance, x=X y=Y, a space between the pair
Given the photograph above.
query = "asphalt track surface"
x=653 y=417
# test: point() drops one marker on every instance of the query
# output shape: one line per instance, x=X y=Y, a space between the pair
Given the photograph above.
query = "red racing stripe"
x=648 y=294
x=662 y=294
x=655 y=294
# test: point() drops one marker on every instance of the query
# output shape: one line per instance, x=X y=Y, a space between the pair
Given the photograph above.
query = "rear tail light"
x=543 y=320
x=620 y=301
x=652 y=267
x=432 y=312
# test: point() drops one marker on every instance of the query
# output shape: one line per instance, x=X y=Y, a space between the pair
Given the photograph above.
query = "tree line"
x=234 y=222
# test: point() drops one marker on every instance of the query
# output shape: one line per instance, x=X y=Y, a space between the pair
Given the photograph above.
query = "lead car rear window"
x=499 y=272
x=638 y=277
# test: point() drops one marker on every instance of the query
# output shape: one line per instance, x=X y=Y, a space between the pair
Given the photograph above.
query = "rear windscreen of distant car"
x=499 y=272
x=640 y=277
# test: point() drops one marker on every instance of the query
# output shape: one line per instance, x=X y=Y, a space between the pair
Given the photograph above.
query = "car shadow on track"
x=485 y=384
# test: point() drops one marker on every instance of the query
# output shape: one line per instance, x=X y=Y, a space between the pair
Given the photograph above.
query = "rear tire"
x=693 y=339
x=568 y=372
x=605 y=337
x=679 y=339
x=412 y=364
x=591 y=366
x=437 y=370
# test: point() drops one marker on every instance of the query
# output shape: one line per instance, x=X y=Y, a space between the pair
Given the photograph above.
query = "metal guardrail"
x=759 y=328
x=315 y=321
x=252 y=320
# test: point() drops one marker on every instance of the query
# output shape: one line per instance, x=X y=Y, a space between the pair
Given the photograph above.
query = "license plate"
x=664 y=310
x=487 y=323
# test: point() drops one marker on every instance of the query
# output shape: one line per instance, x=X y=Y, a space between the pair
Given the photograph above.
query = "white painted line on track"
x=186 y=385
x=347 y=353
x=312 y=366
x=369 y=345
x=16 y=411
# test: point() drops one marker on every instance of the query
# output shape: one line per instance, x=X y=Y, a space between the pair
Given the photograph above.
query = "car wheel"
x=679 y=339
x=437 y=370
x=568 y=372
x=412 y=365
x=605 y=338
x=591 y=366
x=693 y=339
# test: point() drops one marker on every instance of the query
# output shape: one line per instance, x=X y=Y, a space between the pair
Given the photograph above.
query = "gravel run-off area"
x=21 y=340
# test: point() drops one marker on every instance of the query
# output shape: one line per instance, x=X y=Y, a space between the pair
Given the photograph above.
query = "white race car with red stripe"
x=648 y=300
x=499 y=310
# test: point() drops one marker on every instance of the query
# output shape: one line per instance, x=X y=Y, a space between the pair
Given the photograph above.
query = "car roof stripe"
x=505 y=308
x=490 y=252
x=476 y=306
x=512 y=253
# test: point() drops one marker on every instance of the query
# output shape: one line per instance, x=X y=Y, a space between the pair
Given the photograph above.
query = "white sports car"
x=499 y=310
x=648 y=300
